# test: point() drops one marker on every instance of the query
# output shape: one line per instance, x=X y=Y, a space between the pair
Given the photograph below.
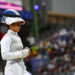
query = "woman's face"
x=15 y=27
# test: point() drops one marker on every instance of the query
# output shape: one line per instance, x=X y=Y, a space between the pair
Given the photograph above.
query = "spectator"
x=31 y=39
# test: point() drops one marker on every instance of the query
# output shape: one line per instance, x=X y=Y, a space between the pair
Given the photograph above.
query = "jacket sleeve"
x=7 y=54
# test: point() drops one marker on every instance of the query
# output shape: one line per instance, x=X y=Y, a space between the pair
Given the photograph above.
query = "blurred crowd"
x=54 y=55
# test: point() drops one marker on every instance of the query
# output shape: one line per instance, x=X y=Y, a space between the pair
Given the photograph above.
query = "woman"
x=11 y=46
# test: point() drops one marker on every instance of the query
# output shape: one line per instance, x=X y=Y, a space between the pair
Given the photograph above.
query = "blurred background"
x=50 y=33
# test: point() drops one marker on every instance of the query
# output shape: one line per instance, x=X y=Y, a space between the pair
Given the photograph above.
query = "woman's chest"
x=16 y=43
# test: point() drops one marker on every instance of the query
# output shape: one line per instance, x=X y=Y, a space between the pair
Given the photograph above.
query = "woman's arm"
x=5 y=50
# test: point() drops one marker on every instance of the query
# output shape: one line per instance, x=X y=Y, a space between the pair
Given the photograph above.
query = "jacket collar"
x=12 y=32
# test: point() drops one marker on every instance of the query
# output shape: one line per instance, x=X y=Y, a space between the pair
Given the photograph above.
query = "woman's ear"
x=10 y=26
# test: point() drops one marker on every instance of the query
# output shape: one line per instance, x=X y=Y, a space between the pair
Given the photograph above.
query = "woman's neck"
x=12 y=29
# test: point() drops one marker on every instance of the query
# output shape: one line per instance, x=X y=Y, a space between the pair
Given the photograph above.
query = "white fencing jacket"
x=12 y=51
